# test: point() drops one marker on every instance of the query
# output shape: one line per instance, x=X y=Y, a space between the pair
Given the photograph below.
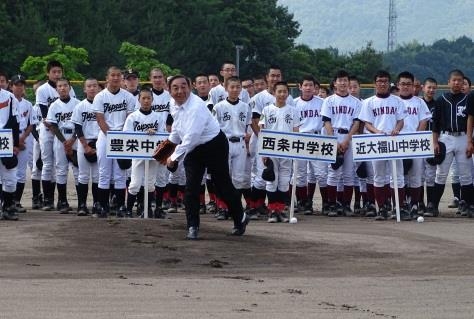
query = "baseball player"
x=202 y=86
x=87 y=130
x=45 y=95
x=429 y=91
x=59 y=119
x=27 y=120
x=213 y=80
x=309 y=108
x=234 y=116
x=161 y=106
x=383 y=113
x=284 y=118
x=450 y=127
x=112 y=106
x=257 y=103
x=218 y=93
x=340 y=113
x=131 y=78
x=8 y=165
x=144 y=120
x=417 y=118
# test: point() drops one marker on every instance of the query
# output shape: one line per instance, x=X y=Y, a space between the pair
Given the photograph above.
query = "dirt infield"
x=64 y=266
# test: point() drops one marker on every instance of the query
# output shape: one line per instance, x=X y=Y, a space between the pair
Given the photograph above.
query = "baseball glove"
x=163 y=151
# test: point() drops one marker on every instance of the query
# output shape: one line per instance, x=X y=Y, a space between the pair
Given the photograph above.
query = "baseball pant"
x=238 y=159
x=87 y=170
x=23 y=160
x=383 y=168
x=138 y=175
x=282 y=170
x=455 y=150
x=62 y=164
x=108 y=168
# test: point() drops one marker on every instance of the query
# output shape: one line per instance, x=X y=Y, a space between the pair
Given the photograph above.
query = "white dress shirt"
x=193 y=125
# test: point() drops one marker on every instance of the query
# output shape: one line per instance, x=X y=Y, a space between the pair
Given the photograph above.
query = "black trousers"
x=213 y=155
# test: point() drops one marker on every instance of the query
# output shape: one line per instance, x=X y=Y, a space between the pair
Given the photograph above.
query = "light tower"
x=392 y=27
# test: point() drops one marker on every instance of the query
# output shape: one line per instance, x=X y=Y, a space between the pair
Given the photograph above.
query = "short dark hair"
x=179 y=76
x=456 y=72
x=284 y=83
x=200 y=75
x=429 y=79
x=354 y=78
x=406 y=75
x=63 y=80
x=260 y=77
x=232 y=79
x=341 y=74
x=273 y=67
x=308 y=77
x=382 y=74
x=145 y=88
x=227 y=62
x=53 y=64
x=468 y=80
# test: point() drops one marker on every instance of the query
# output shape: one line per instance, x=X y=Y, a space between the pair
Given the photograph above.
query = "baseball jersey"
x=342 y=110
x=140 y=121
x=7 y=100
x=85 y=116
x=47 y=94
x=417 y=111
x=283 y=119
x=60 y=113
x=219 y=93
x=26 y=114
x=264 y=98
x=450 y=113
x=114 y=106
x=310 y=114
x=160 y=105
x=233 y=118
x=383 y=112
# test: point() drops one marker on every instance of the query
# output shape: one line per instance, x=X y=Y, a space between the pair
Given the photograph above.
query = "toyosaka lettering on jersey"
x=145 y=127
x=88 y=117
x=115 y=107
x=161 y=107
x=342 y=109
x=383 y=110
x=63 y=117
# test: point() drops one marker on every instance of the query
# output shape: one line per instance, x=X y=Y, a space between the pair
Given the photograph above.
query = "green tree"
x=143 y=59
x=69 y=56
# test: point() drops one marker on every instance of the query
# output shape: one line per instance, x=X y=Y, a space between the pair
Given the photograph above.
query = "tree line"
x=194 y=37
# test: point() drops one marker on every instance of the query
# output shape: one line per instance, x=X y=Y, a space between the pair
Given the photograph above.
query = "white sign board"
x=297 y=146
x=6 y=143
x=383 y=147
x=132 y=145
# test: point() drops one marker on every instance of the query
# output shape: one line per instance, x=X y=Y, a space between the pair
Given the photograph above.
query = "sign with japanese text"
x=297 y=146
x=132 y=145
x=6 y=143
x=383 y=147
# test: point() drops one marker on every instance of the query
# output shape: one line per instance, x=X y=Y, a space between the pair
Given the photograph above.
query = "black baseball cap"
x=129 y=73
x=18 y=78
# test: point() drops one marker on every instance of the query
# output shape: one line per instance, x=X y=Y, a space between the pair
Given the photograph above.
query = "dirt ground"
x=64 y=266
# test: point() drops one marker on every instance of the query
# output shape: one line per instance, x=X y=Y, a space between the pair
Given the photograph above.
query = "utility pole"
x=392 y=27
x=238 y=48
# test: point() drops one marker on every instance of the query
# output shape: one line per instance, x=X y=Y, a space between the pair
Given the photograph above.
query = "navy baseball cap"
x=130 y=73
x=18 y=78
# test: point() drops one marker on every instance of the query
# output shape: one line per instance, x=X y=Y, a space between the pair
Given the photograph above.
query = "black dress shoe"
x=239 y=231
x=192 y=233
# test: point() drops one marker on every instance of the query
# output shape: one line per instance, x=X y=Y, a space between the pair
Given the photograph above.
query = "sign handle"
x=293 y=192
x=395 y=187
x=145 y=200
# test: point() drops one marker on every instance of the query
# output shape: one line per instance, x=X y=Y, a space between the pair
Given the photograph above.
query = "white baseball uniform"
x=115 y=107
x=219 y=93
x=27 y=117
x=60 y=113
x=282 y=119
x=85 y=116
x=342 y=111
x=140 y=121
x=8 y=103
x=383 y=114
x=233 y=120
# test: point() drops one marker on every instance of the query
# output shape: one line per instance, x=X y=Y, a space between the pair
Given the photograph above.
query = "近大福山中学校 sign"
x=294 y=145
x=132 y=145
x=383 y=147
